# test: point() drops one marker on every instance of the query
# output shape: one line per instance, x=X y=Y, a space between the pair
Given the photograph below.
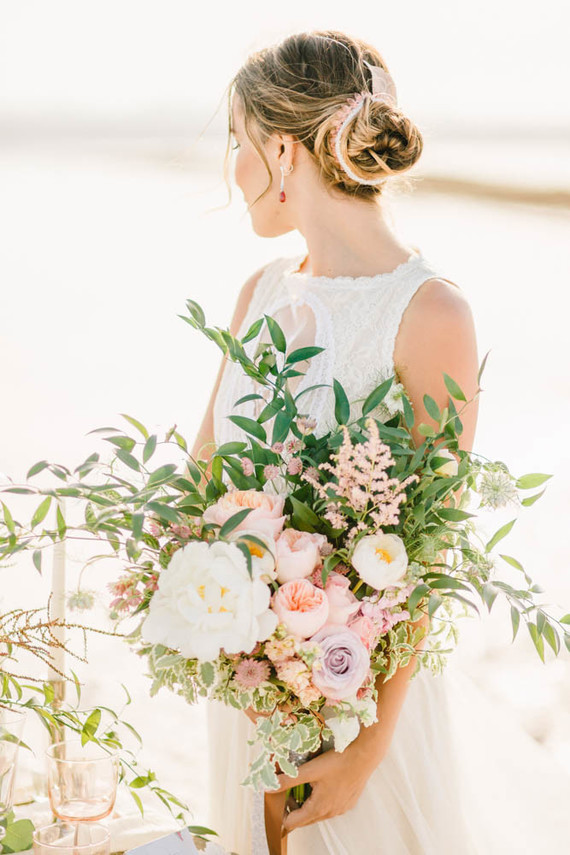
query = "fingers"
x=305 y=815
x=310 y=771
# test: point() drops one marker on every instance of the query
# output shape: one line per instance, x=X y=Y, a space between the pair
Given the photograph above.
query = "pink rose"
x=266 y=516
x=343 y=665
x=301 y=606
x=297 y=553
x=342 y=602
x=367 y=631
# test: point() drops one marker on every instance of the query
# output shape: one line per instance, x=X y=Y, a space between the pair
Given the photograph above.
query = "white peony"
x=380 y=560
x=262 y=559
x=449 y=468
x=206 y=600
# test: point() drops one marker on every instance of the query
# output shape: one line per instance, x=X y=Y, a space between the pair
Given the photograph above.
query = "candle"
x=57 y=607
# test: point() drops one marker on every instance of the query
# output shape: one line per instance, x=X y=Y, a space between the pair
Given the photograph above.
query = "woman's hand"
x=337 y=780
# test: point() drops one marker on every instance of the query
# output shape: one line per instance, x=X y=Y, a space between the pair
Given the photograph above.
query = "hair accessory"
x=383 y=89
x=282 y=196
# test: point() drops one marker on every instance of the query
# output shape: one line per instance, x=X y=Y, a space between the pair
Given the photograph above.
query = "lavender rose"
x=343 y=665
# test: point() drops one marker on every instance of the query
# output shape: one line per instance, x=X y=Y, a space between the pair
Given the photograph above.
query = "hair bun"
x=377 y=142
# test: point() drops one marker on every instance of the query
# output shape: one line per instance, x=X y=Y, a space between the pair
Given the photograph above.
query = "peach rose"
x=297 y=554
x=301 y=606
x=266 y=515
x=342 y=602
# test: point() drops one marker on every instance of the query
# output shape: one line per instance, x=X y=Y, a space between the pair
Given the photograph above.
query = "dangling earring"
x=282 y=196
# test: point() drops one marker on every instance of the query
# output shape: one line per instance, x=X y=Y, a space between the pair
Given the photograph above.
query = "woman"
x=312 y=157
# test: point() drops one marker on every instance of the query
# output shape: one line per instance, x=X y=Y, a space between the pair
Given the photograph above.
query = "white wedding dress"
x=457 y=779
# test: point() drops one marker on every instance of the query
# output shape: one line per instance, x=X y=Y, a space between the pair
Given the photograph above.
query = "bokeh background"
x=113 y=211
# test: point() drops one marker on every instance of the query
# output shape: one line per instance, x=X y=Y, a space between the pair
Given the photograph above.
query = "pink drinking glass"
x=82 y=780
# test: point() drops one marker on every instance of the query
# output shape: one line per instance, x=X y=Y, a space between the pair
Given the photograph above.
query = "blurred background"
x=113 y=211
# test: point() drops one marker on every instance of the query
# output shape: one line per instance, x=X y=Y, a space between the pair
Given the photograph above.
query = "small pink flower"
x=316 y=577
x=293 y=446
x=152 y=583
x=153 y=527
x=270 y=471
x=295 y=466
x=306 y=425
x=183 y=531
x=247 y=466
x=251 y=673
x=277 y=447
x=342 y=602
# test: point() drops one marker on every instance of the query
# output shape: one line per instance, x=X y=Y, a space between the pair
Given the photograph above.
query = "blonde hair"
x=297 y=86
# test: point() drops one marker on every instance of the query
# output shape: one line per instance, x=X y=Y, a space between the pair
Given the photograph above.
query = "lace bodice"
x=356 y=320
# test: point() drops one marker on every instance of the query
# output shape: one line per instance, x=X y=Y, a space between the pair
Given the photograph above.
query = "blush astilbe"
x=360 y=481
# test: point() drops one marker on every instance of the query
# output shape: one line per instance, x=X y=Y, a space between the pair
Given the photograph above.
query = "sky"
x=485 y=64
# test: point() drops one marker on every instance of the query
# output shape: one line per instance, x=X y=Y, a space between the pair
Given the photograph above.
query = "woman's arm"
x=204 y=442
x=436 y=335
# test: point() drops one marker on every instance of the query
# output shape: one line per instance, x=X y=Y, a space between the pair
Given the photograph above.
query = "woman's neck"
x=347 y=238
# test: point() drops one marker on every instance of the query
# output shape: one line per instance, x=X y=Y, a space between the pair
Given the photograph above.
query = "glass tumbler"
x=84 y=838
x=82 y=780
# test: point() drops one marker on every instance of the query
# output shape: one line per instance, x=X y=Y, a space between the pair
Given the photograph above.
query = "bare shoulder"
x=244 y=299
x=438 y=313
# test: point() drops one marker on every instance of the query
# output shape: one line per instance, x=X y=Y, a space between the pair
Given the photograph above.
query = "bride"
x=319 y=135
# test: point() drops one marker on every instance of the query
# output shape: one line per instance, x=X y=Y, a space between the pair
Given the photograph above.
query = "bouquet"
x=289 y=571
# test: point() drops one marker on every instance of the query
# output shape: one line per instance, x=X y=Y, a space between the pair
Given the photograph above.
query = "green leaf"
x=489 y=594
x=149 y=448
x=18 y=836
x=552 y=638
x=303 y=517
x=201 y=829
x=302 y=353
x=513 y=562
x=37 y=559
x=250 y=426
x=234 y=521
x=281 y=427
x=8 y=519
x=247 y=555
x=37 y=467
x=137 y=525
x=253 y=331
x=453 y=388
x=276 y=333
x=135 y=423
x=565 y=619
x=377 y=396
x=128 y=459
x=482 y=368
x=530 y=500
x=137 y=800
x=419 y=592
x=537 y=639
x=454 y=514
x=408 y=411
x=499 y=534
x=342 y=406
x=164 y=511
x=90 y=727
x=432 y=408
x=533 y=479
x=515 y=620
x=41 y=512
x=231 y=448
x=61 y=526
x=426 y=430
x=197 y=312
x=161 y=474
x=248 y=398
x=207 y=674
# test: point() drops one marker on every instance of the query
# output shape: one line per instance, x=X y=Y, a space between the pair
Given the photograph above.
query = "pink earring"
x=282 y=196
